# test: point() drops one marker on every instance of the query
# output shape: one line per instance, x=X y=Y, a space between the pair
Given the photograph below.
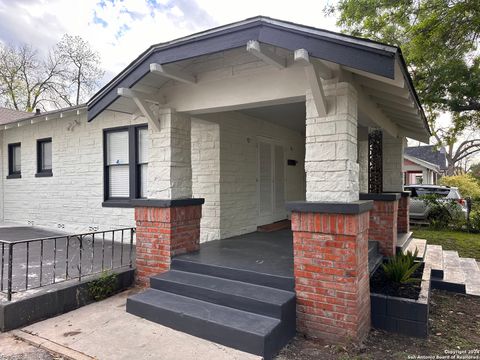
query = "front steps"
x=451 y=272
x=220 y=304
x=448 y=270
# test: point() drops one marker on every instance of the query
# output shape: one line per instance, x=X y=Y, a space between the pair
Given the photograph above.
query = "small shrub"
x=103 y=287
x=401 y=267
x=443 y=213
x=475 y=220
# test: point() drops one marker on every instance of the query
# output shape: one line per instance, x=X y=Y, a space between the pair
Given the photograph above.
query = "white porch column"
x=363 y=159
x=331 y=146
x=170 y=165
x=393 y=163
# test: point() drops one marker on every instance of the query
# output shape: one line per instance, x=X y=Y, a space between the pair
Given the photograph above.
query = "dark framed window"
x=125 y=164
x=44 y=157
x=14 y=161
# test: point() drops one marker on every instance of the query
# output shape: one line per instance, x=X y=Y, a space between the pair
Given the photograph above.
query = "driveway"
x=49 y=263
x=104 y=330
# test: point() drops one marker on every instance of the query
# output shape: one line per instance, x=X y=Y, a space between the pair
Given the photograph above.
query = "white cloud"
x=121 y=30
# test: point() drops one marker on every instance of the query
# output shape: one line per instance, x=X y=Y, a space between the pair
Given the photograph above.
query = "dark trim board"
x=359 y=54
x=380 y=197
x=166 y=203
x=355 y=207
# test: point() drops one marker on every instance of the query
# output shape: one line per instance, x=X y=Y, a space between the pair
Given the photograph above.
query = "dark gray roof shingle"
x=428 y=153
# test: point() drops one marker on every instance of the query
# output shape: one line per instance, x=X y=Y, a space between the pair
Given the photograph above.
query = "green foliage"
x=103 y=287
x=475 y=171
x=466 y=183
x=439 y=40
x=443 y=213
x=401 y=267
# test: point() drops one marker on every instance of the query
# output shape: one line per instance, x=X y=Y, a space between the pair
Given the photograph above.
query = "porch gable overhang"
x=348 y=51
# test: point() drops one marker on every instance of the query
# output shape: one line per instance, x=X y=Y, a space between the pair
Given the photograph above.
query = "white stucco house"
x=263 y=119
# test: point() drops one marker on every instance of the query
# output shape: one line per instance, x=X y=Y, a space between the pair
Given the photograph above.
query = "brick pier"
x=165 y=229
x=331 y=272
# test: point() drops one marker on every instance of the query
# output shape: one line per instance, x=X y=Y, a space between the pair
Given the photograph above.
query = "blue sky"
x=121 y=29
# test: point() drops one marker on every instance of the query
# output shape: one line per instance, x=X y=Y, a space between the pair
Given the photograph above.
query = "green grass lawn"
x=467 y=244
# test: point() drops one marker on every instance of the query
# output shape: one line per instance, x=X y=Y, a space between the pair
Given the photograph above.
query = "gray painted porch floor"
x=268 y=253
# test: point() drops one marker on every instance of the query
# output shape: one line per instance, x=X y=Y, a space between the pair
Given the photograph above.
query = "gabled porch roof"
x=379 y=71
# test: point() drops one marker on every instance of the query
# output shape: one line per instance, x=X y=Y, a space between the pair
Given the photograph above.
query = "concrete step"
x=434 y=260
x=253 y=298
x=253 y=333
x=472 y=276
x=415 y=244
x=251 y=277
x=403 y=240
x=453 y=274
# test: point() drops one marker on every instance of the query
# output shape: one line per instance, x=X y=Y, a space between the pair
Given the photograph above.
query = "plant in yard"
x=103 y=287
x=401 y=267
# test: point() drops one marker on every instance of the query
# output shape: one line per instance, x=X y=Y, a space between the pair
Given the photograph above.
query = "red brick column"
x=331 y=275
x=403 y=222
x=383 y=225
x=163 y=232
x=384 y=221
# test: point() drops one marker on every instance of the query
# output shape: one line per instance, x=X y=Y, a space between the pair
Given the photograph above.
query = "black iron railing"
x=35 y=263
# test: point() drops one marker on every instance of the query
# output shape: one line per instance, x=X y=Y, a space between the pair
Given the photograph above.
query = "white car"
x=419 y=209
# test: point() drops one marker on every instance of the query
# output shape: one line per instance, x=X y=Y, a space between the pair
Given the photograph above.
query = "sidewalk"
x=104 y=330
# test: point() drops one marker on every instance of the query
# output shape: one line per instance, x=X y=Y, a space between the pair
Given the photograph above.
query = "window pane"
x=47 y=155
x=16 y=159
x=142 y=146
x=118 y=184
x=117 y=147
x=143 y=180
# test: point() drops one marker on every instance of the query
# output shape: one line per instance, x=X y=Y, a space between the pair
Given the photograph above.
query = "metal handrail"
x=8 y=256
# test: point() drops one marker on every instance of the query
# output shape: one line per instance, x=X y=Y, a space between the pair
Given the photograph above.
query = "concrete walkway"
x=104 y=330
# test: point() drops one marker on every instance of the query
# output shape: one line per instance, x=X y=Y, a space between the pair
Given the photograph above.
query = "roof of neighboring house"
x=27 y=118
x=422 y=163
x=361 y=54
x=429 y=154
x=9 y=115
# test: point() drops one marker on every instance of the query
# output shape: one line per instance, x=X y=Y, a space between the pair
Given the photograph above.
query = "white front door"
x=271 y=182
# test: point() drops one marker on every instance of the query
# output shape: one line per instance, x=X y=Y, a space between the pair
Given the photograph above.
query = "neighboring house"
x=424 y=165
x=261 y=120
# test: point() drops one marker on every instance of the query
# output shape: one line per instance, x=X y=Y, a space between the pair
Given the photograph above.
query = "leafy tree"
x=82 y=73
x=68 y=74
x=439 y=40
x=466 y=183
x=475 y=171
x=26 y=81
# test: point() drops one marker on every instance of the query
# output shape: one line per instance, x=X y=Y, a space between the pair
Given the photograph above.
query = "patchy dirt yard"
x=13 y=349
x=454 y=325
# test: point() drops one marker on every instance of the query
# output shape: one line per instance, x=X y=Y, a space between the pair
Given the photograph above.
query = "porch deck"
x=265 y=253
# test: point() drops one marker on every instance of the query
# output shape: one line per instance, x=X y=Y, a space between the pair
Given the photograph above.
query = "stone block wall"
x=331 y=146
x=70 y=200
